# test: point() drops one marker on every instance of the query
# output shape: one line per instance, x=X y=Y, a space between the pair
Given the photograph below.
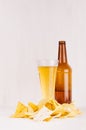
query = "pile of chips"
x=45 y=110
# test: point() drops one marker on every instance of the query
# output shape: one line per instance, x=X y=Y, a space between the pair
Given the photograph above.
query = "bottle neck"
x=62 y=54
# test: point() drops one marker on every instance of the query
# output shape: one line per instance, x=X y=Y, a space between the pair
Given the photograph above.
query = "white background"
x=30 y=30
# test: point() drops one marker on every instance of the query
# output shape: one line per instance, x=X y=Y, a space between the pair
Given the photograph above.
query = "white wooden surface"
x=78 y=123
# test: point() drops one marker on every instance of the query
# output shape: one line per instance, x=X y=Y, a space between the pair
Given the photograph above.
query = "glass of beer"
x=47 y=75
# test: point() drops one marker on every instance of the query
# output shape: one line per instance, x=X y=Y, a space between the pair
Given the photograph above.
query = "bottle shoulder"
x=64 y=67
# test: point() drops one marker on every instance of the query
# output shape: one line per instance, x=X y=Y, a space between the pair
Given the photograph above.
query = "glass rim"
x=47 y=62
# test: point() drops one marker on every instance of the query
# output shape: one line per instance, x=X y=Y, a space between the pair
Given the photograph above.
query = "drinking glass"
x=47 y=75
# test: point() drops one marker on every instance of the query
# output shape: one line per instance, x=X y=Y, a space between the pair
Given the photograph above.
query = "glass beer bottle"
x=63 y=85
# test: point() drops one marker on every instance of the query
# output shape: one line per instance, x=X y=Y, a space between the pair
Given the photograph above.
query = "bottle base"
x=63 y=97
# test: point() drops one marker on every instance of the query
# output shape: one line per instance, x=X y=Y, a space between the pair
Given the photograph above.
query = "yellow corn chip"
x=51 y=104
x=48 y=118
x=20 y=111
x=33 y=106
x=42 y=103
x=74 y=113
x=45 y=110
x=30 y=109
x=19 y=115
x=21 y=108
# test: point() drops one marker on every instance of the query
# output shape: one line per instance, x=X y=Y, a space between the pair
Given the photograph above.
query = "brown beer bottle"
x=63 y=86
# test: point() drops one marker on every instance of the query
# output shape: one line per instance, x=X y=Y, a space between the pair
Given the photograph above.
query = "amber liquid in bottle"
x=63 y=85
